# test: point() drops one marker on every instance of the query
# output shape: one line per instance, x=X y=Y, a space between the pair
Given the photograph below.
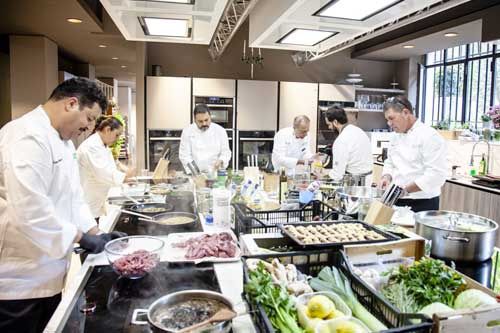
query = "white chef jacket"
x=351 y=153
x=98 y=172
x=41 y=207
x=204 y=147
x=418 y=156
x=288 y=149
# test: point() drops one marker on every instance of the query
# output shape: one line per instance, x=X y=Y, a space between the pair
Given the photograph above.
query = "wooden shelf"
x=381 y=90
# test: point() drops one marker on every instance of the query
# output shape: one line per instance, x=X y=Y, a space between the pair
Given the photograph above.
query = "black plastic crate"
x=249 y=221
x=311 y=263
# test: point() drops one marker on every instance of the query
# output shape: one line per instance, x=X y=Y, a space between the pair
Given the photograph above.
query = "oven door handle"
x=256 y=139
x=165 y=138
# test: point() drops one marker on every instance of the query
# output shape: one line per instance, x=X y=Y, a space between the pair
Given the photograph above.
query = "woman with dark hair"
x=98 y=169
x=351 y=151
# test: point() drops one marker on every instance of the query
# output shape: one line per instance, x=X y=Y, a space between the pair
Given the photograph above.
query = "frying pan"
x=157 y=218
x=144 y=207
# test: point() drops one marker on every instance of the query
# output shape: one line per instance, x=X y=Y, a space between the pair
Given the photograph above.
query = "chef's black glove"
x=95 y=243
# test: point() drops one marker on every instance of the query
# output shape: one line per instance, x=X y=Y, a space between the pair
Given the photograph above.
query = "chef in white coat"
x=292 y=146
x=42 y=211
x=98 y=169
x=204 y=142
x=351 y=151
x=416 y=158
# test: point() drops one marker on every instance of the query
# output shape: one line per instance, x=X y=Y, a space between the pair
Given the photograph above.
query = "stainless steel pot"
x=457 y=236
x=351 y=200
x=156 y=311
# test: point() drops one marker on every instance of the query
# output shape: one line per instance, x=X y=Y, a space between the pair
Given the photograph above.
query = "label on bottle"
x=283 y=191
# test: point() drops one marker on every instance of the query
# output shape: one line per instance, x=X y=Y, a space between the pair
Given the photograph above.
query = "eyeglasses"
x=397 y=100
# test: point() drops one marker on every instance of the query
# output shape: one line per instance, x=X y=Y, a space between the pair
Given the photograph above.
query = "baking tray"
x=388 y=236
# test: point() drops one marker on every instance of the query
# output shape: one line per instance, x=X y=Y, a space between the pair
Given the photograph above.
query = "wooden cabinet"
x=466 y=199
x=297 y=98
x=336 y=92
x=214 y=87
x=257 y=105
x=168 y=102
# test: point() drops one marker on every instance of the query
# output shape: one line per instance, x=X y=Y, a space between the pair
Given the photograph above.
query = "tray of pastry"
x=335 y=233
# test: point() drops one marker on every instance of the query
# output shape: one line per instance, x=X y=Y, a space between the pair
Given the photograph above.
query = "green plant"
x=485 y=117
x=443 y=125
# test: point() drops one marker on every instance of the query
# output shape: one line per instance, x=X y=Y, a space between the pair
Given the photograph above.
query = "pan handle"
x=137 y=313
x=456 y=239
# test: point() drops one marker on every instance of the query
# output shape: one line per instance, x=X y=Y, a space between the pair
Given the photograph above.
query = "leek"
x=330 y=279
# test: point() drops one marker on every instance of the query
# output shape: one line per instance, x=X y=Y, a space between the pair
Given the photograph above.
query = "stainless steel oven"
x=255 y=143
x=158 y=142
x=221 y=109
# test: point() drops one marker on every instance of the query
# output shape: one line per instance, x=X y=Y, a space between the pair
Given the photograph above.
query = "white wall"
x=459 y=153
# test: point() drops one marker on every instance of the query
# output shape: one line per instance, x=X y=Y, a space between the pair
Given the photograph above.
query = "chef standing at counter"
x=204 y=142
x=42 y=211
x=98 y=168
x=416 y=158
x=351 y=151
x=291 y=146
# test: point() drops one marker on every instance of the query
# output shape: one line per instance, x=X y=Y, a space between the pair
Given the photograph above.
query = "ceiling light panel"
x=168 y=27
x=358 y=10
x=306 y=37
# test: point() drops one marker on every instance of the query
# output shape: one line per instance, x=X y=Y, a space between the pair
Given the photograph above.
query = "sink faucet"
x=487 y=157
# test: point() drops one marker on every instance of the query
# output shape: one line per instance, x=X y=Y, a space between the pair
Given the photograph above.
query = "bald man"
x=291 y=145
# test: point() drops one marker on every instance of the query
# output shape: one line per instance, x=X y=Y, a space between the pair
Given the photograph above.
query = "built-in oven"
x=326 y=136
x=221 y=109
x=255 y=148
x=159 y=140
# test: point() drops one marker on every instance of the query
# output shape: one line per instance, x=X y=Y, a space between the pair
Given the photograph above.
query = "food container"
x=351 y=200
x=157 y=311
x=457 y=236
x=134 y=256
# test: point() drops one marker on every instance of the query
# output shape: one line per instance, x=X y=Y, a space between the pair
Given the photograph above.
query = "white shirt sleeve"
x=388 y=168
x=434 y=152
x=340 y=155
x=101 y=166
x=27 y=180
x=279 y=153
x=225 y=154
x=185 y=149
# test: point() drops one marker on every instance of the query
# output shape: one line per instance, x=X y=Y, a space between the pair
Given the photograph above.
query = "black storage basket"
x=311 y=263
x=249 y=221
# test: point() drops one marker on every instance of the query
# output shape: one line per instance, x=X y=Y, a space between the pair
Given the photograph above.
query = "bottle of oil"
x=482 y=166
x=283 y=189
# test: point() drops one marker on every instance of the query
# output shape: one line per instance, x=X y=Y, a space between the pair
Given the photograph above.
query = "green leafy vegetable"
x=330 y=279
x=399 y=295
x=430 y=281
x=433 y=308
x=275 y=300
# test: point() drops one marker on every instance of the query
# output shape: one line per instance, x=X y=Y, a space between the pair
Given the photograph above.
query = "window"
x=459 y=84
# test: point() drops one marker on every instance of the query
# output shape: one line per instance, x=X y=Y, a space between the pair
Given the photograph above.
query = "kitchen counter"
x=229 y=276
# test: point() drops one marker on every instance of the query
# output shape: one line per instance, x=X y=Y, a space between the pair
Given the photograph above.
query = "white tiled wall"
x=459 y=153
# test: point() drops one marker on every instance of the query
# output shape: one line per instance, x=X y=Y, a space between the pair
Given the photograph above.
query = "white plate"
x=403 y=216
x=178 y=254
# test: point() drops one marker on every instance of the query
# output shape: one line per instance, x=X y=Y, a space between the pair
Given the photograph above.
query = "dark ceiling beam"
x=467 y=12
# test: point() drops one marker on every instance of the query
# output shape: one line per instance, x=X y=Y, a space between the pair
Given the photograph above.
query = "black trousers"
x=27 y=315
x=419 y=205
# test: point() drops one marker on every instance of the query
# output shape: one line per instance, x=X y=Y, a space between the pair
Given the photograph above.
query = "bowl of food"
x=134 y=256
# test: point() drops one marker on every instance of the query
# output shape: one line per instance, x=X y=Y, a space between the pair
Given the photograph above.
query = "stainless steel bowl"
x=352 y=200
x=457 y=236
x=156 y=310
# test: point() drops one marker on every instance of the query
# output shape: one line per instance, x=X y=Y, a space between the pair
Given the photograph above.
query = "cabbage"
x=436 y=307
x=473 y=299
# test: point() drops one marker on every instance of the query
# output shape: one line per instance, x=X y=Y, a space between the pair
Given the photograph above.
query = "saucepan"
x=160 y=312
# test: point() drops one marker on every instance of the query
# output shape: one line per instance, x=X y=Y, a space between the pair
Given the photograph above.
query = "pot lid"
x=455 y=221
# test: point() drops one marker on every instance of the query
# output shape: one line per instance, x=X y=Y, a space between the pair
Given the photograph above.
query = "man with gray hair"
x=416 y=159
x=292 y=146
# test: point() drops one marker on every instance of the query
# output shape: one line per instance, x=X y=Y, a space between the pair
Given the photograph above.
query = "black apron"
x=419 y=205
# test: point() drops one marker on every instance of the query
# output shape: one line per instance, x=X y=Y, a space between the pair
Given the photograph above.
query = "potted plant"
x=443 y=127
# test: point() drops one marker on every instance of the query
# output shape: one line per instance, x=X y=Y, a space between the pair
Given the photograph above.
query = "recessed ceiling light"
x=115 y=58
x=358 y=10
x=168 y=27
x=408 y=46
x=102 y=45
x=123 y=66
x=74 y=20
x=451 y=34
x=307 y=37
